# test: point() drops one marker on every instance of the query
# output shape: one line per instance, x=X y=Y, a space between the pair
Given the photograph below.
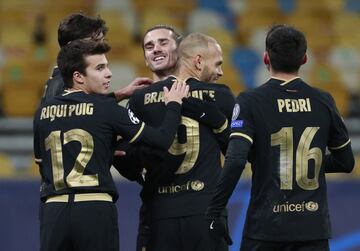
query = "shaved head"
x=200 y=56
x=195 y=43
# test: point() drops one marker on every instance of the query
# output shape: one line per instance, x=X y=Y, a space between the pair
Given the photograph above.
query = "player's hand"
x=204 y=111
x=218 y=228
x=127 y=91
x=178 y=91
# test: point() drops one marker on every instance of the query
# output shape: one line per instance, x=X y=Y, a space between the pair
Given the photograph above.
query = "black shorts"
x=188 y=233
x=90 y=225
x=259 y=245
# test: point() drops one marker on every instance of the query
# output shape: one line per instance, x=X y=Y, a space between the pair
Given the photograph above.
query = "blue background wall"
x=19 y=226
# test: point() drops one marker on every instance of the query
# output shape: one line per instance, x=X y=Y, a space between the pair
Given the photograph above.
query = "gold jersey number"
x=304 y=153
x=191 y=147
x=76 y=177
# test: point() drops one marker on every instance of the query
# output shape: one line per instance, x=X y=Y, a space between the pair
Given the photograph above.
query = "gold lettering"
x=71 y=109
x=302 y=104
x=89 y=109
x=295 y=105
x=153 y=97
x=60 y=111
x=212 y=94
x=44 y=113
x=276 y=209
x=288 y=105
x=161 y=97
x=281 y=104
x=308 y=104
x=78 y=110
x=52 y=112
x=298 y=207
x=292 y=207
x=147 y=98
x=195 y=94
x=177 y=188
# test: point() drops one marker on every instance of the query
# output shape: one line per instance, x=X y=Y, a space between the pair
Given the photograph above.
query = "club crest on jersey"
x=133 y=118
x=236 y=112
x=237 y=123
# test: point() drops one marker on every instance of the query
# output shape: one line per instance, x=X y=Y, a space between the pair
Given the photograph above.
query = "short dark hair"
x=71 y=57
x=286 y=47
x=175 y=35
x=79 y=26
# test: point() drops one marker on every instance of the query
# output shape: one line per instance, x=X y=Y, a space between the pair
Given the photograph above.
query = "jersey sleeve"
x=226 y=102
x=242 y=123
x=125 y=123
x=37 y=151
x=339 y=137
x=132 y=129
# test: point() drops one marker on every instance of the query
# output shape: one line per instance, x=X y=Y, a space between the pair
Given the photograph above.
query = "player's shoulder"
x=101 y=99
x=218 y=87
x=156 y=86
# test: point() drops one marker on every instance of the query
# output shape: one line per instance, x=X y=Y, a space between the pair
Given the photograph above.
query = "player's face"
x=160 y=50
x=98 y=75
x=213 y=61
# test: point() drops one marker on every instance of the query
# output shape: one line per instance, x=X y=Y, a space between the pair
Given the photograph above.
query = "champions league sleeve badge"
x=236 y=112
x=133 y=118
x=235 y=123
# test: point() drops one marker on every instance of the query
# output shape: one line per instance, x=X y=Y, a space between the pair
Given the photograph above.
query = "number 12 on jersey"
x=285 y=139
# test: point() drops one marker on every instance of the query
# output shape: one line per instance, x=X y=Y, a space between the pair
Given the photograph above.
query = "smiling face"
x=160 y=51
x=97 y=75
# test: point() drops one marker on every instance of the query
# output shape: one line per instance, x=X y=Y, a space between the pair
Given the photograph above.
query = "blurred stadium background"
x=28 y=49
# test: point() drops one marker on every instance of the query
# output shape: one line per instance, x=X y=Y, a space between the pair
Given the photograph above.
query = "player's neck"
x=77 y=88
x=185 y=72
x=161 y=75
x=284 y=76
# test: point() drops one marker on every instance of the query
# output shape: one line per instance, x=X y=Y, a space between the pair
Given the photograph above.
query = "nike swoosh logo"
x=202 y=115
x=212 y=225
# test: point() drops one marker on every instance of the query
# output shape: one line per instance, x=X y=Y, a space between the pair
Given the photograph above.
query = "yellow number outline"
x=76 y=177
x=191 y=147
x=284 y=138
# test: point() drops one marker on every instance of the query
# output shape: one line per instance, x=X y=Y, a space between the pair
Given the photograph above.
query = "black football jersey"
x=54 y=86
x=290 y=125
x=193 y=159
x=74 y=140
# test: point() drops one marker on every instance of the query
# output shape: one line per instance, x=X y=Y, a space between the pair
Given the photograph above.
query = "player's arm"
x=235 y=161
x=227 y=103
x=212 y=114
x=134 y=130
x=340 y=160
x=129 y=165
x=341 y=157
x=241 y=140
x=205 y=112
x=163 y=136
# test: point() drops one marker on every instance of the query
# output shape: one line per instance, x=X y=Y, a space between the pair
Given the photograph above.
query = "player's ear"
x=304 y=60
x=199 y=62
x=266 y=58
x=78 y=77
